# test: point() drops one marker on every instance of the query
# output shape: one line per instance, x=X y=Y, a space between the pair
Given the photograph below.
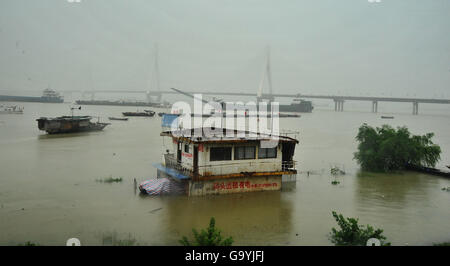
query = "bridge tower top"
x=266 y=74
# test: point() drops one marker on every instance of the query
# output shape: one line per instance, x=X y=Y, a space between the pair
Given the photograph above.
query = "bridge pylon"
x=415 y=108
x=375 y=107
x=338 y=105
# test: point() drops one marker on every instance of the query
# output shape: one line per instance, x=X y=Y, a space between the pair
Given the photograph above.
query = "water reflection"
x=249 y=218
x=393 y=190
x=67 y=135
x=115 y=239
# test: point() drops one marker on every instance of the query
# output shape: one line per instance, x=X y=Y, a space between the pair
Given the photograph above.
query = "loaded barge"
x=124 y=103
x=48 y=96
x=69 y=124
x=147 y=113
x=280 y=115
x=206 y=161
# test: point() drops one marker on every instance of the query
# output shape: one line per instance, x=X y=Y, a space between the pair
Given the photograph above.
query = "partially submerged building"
x=219 y=161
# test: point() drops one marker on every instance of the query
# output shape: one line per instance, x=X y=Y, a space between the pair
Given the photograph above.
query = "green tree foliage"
x=352 y=234
x=209 y=237
x=386 y=149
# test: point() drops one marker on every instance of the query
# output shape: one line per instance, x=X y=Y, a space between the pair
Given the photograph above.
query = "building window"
x=265 y=153
x=186 y=148
x=245 y=152
x=220 y=154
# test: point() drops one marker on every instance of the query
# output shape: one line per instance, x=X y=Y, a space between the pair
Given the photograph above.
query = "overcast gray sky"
x=396 y=47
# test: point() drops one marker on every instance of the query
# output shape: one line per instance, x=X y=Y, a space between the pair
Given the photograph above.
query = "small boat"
x=161 y=114
x=69 y=124
x=387 y=117
x=11 y=110
x=147 y=113
x=118 y=118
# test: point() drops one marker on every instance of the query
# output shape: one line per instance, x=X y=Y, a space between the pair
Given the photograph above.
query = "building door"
x=287 y=155
x=195 y=160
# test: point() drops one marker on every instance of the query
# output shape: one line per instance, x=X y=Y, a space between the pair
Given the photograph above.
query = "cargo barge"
x=206 y=161
x=69 y=124
x=281 y=115
x=124 y=103
x=298 y=105
x=146 y=113
x=48 y=96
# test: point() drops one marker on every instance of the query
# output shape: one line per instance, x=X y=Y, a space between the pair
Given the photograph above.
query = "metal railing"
x=288 y=165
x=172 y=162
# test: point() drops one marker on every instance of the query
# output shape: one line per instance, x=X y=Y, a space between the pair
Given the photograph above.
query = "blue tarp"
x=170 y=171
x=168 y=119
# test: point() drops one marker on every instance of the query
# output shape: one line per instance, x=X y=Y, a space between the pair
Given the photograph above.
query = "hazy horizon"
x=392 y=48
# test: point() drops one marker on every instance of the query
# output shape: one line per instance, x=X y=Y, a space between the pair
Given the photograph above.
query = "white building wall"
x=187 y=158
x=237 y=166
x=207 y=167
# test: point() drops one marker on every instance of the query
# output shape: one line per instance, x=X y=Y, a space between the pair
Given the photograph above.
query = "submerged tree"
x=210 y=237
x=352 y=234
x=386 y=149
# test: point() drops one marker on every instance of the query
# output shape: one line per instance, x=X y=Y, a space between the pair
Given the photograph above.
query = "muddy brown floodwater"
x=49 y=193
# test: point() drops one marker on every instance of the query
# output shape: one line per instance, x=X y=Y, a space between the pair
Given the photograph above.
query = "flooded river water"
x=49 y=192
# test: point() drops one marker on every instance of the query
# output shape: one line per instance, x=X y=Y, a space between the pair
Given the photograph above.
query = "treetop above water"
x=387 y=149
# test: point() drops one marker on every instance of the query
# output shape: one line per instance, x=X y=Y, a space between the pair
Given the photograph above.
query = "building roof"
x=222 y=135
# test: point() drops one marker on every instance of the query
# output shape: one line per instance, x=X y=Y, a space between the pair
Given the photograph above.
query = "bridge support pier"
x=375 y=107
x=338 y=105
x=415 y=108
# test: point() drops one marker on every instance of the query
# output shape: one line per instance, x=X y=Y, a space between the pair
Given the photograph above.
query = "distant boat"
x=387 y=117
x=69 y=124
x=281 y=115
x=161 y=114
x=147 y=113
x=11 y=110
x=118 y=118
x=48 y=96
x=124 y=103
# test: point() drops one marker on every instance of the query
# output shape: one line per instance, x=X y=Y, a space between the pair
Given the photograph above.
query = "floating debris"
x=110 y=180
x=336 y=171
x=335 y=182
x=29 y=244
x=155 y=210
x=446 y=188
x=112 y=239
